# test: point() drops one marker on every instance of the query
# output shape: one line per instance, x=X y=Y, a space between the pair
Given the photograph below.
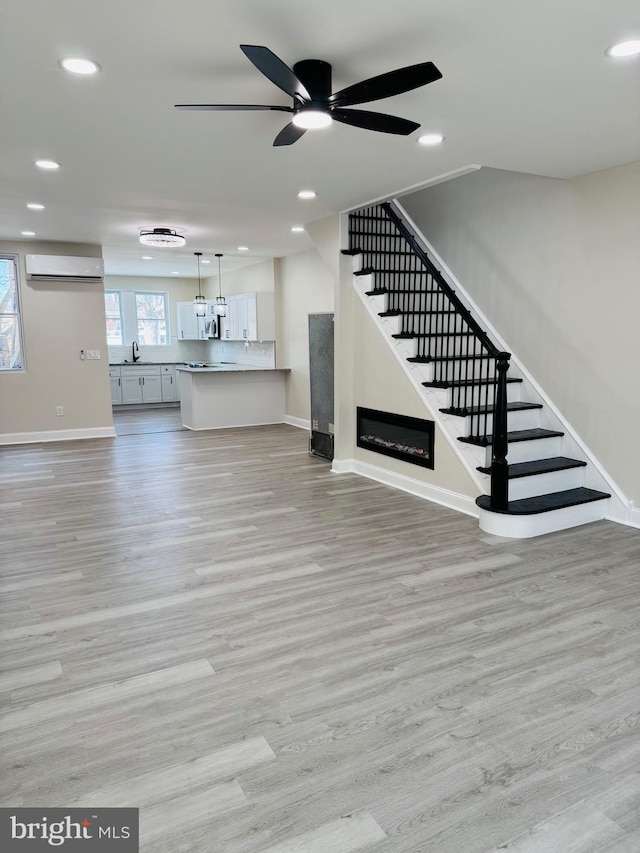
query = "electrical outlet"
x=93 y=353
x=59 y=411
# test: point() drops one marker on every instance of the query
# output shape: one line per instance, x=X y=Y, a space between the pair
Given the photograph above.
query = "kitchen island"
x=231 y=395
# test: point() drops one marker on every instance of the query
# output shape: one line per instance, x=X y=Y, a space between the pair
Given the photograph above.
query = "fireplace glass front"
x=399 y=436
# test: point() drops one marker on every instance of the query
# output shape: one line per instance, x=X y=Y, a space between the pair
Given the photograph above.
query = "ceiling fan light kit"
x=161 y=237
x=308 y=83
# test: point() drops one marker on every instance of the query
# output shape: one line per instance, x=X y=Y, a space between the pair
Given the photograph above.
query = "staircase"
x=533 y=474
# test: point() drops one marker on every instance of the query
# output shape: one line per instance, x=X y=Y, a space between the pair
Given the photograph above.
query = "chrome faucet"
x=135 y=352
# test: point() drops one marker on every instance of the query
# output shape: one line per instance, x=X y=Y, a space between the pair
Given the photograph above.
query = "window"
x=11 y=357
x=113 y=312
x=151 y=316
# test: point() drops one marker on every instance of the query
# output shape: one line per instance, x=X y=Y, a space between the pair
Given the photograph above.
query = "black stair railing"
x=448 y=336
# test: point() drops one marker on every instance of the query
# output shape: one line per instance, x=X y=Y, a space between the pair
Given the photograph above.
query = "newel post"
x=499 y=464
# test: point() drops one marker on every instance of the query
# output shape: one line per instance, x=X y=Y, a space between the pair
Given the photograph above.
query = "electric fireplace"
x=399 y=436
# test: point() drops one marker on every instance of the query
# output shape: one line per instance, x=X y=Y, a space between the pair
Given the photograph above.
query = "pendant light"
x=199 y=303
x=221 y=304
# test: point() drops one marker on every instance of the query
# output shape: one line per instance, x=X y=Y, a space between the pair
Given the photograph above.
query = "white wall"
x=304 y=285
x=58 y=319
x=554 y=266
x=254 y=278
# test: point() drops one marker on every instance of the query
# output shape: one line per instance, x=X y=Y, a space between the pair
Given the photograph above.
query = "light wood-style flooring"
x=265 y=657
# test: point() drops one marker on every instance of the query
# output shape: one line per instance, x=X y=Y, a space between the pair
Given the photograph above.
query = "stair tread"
x=546 y=503
x=379 y=291
x=516 y=435
x=430 y=359
x=396 y=312
x=351 y=251
x=410 y=335
x=538 y=466
x=462 y=383
x=517 y=406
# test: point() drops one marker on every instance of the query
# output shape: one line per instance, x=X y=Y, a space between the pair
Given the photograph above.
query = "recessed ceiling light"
x=28 y=233
x=47 y=164
x=147 y=258
x=624 y=48
x=297 y=228
x=35 y=206
x=430 y=139
x=206 y=262
x=76 y=65
x=175 y=273
x=307 y=119
x=306 y=194
x=243 y=248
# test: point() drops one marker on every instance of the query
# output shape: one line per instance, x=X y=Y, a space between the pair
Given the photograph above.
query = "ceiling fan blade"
x=385 y=85
x=289 y=134
x=381 y=122
x=275 y=70
x=232 y=107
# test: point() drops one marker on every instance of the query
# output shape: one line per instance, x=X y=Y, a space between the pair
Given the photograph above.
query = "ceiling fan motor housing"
x=315 y=75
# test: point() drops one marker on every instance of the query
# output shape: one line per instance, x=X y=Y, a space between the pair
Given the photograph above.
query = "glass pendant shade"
x=199 y=302
x=221 y=303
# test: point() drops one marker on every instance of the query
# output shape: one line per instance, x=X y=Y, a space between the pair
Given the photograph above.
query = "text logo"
x=101 y=830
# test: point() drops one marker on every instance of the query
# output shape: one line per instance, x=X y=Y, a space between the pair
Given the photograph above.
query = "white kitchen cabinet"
x=250 y=317
x=131 y=389
x=169 y=384
x=116 y=386
x=190 y=327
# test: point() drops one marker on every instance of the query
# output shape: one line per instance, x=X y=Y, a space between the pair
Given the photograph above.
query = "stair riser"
x=443 y=346
x=542 y=484
x=477 y=396
x=526 y=419
x=530 y=451
x=426 y=301
x=527 y=526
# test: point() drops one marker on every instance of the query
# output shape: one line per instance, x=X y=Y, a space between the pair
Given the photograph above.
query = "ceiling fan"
x=309 y=84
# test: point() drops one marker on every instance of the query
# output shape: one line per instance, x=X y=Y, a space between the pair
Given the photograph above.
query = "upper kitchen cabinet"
x=250 y=317
x=190 y=327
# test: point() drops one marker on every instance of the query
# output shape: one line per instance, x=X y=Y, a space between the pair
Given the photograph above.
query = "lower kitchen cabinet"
x=116 y=386
x=149 y=383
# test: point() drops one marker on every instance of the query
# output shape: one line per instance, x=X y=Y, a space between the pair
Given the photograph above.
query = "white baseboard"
x=427 y=491
x=301 y=423
x=56 y=435
x=633 y=519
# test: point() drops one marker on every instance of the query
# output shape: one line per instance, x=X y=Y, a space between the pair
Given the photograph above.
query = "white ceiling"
x=526 y=86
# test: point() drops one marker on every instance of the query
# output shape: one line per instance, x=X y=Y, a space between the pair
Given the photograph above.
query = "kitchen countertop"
x=231 y=368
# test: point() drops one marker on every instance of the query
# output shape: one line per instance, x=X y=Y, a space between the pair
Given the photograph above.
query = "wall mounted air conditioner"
x=64 y=268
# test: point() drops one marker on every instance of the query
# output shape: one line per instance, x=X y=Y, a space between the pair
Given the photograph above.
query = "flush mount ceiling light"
x=306 y=194
x=28 y=233
x=311 y=119
x=47 y=164
x=147 y=258
x=624 y=49
x=297 y=229
x=35 y=206
x=243 y=248
x=199 y=303
x=431 y=139
x=221 y=303
x=76 y=65
x=206 y=261
x=161 y=237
